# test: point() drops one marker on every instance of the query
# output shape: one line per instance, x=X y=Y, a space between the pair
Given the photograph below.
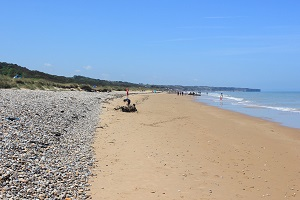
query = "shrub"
x=87 y=88
x=19 y=81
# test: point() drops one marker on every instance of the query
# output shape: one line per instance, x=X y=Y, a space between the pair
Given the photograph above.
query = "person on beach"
x=127 y=100
x=221 y=97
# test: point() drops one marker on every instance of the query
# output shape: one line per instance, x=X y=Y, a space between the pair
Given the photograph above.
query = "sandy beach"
x=175 y=148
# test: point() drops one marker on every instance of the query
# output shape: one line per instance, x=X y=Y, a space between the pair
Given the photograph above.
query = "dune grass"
x=41 y=84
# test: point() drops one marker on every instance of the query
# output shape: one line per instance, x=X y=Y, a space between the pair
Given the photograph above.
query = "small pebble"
x=46 y=139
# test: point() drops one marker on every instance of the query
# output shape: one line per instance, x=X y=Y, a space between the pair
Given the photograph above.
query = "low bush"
x=87 y=88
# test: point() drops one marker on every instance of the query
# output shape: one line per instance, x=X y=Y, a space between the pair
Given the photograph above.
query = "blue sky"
x=238 y=43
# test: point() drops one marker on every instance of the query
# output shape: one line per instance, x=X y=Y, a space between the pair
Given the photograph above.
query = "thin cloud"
x=201 y=27
x=47 y=65
x=249 y=50
x=259 y=37
x=280 y=27
x=181 y=39
x=223 y=17
x=232 y=37
x=176 y=40
x=105 y=76
x=216 y=17
x=88 y=67
x=77 y=70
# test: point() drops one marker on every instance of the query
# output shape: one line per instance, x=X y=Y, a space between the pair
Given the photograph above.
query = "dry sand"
x=175 y=148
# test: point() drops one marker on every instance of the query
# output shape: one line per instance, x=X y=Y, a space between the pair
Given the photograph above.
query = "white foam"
x=238 y=101
x=285 y=109
x=234 y=98
x=275 y=106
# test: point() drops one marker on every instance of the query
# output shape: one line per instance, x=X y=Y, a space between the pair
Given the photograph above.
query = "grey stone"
x=46 y=153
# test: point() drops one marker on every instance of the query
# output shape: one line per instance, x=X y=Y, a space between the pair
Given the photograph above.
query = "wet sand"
x=175 y=148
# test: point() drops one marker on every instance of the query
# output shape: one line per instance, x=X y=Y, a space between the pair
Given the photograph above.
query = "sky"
x=232 y=43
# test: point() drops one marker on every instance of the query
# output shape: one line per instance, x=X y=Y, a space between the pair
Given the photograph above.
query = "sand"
x=175 y=148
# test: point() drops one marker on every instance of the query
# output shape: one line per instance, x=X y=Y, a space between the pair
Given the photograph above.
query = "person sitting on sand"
x=129 y=108
x=128 y=101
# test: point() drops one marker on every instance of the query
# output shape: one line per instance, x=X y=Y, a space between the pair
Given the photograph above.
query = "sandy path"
x=174 y=148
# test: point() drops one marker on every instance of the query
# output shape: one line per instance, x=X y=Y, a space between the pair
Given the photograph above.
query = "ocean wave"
x=217 y=95
x=214 y=95
x=285 y=109
x=234 y=98
x=245 y=102
x=280 y=107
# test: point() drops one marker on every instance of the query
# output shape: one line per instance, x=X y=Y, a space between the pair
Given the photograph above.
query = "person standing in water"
x=221 y=99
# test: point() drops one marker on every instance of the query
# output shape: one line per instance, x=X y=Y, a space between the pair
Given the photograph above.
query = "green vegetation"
x=31 y=79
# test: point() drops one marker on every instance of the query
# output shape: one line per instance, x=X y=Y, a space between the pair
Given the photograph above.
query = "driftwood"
x=130 y=108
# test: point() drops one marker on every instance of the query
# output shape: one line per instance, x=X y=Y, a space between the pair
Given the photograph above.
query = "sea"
x=280 y=107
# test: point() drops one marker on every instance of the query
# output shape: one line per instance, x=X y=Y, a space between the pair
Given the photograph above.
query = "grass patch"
x=42 y=84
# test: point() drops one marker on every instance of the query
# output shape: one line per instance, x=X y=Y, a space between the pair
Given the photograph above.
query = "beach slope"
x=175 y=148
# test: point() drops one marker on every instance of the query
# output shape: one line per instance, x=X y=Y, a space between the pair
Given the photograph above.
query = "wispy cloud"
x=47 y=64
x=281 y=27
x=249 y=50
x=105 y=76
x=259 y=37
x=181 y=39
x=204 y=38
x=77 y=70
x=231 y=37
x=176 y=40
x=223 y=17
x=88 y=67
x=202 y=27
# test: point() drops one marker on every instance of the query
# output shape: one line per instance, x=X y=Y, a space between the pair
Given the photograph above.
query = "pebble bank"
x=45 y=143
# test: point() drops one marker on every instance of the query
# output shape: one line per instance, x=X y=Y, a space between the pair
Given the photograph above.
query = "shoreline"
x=177 y=148
x=260 y=105
x=280 y=124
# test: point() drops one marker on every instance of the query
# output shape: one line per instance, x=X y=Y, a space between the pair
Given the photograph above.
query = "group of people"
x=193 y=93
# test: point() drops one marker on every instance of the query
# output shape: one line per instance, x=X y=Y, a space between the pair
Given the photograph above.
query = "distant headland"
x=15 y=76
x=210 y=88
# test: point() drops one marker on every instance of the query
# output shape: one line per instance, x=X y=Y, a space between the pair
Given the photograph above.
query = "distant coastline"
x=211 y=88
x=15 y=76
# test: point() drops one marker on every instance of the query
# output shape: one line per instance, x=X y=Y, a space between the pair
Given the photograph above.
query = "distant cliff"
x=209 y=88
